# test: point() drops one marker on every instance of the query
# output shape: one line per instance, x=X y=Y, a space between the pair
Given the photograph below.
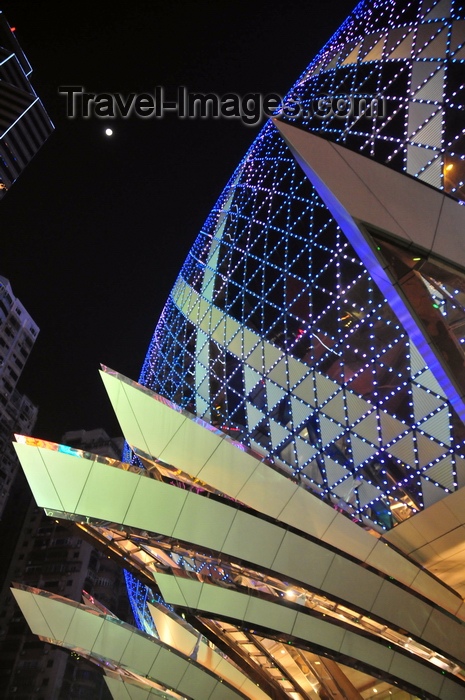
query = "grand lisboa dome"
x=293 y=494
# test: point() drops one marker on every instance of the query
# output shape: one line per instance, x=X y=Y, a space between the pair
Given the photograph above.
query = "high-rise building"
x=24 y=123
x=18 y=333
x=298 y=432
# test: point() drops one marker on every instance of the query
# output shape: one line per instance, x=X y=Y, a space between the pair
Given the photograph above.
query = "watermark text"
x=250 y=108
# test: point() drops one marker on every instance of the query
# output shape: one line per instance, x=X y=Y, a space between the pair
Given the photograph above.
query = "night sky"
x=96 y=228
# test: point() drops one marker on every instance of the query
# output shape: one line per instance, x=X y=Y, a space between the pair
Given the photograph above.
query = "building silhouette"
x=294 y=479
x=18 y=333
x=24 y=123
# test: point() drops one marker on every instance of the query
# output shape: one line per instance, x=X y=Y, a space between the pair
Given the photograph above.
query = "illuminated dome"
x=278 y=330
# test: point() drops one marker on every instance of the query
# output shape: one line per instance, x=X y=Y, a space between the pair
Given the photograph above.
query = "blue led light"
x=312 y=328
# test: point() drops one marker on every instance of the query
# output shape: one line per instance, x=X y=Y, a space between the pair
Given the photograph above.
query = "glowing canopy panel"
x=222 y=533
